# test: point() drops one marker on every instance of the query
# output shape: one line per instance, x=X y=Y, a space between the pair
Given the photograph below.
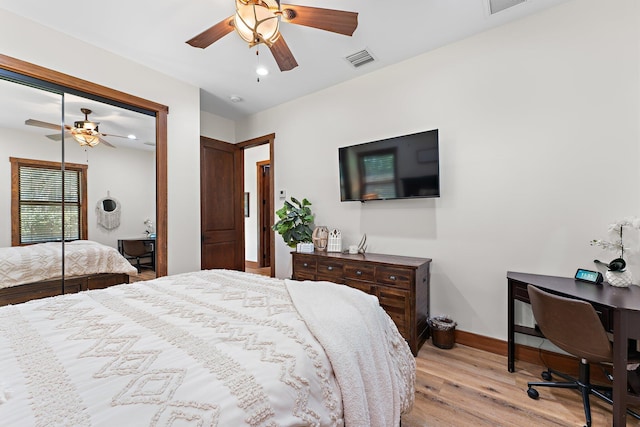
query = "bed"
x=209 y=348
x=34 y=271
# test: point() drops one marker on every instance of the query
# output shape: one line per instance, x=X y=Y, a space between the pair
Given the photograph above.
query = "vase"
x=320 y=237
x=619 y=279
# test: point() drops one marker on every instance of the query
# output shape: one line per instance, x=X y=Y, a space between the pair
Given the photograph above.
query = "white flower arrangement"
x=616 y=229
x=148 y=226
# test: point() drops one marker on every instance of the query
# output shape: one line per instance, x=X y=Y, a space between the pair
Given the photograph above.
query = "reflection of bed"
x=212 y=348
x=31 y=272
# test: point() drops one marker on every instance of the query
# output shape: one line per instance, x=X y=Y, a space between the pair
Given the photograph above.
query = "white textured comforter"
x=33 y=263
x=373 y=364
x=212 y=348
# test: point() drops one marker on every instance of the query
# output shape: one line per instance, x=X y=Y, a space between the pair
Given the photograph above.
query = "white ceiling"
x=19 y=103
x=154 y=32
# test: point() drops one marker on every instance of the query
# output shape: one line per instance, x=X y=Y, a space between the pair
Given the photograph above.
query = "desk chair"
x=573 y=326
x=136 y=249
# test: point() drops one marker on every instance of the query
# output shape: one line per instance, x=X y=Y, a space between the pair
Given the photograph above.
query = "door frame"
x=261 y=224
x=255 y=142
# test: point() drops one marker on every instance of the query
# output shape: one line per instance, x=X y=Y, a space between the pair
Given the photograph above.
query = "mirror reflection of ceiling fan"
x=85 y=132
x=257 y=21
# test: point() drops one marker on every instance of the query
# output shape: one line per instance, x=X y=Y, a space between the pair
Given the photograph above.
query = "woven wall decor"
x=108 y=212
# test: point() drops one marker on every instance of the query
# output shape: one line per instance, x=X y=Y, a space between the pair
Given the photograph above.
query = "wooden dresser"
x=400 y=283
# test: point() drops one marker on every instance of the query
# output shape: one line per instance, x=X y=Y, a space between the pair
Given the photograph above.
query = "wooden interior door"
x=264 y=208
x=221 y=205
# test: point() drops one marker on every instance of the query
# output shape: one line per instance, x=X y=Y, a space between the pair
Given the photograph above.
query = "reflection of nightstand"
x=150 y=244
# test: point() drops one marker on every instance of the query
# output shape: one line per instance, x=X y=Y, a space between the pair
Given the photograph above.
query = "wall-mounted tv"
x=395 y=168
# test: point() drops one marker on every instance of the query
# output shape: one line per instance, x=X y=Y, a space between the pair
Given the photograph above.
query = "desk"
x=150 y=243
x=618 y=309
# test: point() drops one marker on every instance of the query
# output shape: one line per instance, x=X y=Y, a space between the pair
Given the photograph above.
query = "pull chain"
x=258 y=57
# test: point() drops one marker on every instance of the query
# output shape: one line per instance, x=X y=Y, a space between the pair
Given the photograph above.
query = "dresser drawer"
x=397 y=304
x=303 y=264
x=303 y=276
x=366 y=287
x=329 y=268
x=398 y=277
x=359 y=272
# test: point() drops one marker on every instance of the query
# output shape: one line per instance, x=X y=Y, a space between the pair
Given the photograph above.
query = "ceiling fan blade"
x=336 y=21
x=283 y=55
x=117 y=136
x=55 y=137
x=32 y=122
x=105 y=142
x=213 y=34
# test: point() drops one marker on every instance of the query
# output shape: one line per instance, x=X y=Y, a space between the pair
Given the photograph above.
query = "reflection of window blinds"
x=41 y=204
x=379 y=175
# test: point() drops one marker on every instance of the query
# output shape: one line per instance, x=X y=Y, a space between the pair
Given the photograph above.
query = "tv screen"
x=394 y=168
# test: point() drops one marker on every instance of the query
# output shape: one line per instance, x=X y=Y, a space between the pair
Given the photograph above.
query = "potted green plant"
x=295 y=222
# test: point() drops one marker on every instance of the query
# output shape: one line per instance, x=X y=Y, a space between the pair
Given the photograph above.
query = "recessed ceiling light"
x=235 y=98
x=262 y=70
x=132 y=136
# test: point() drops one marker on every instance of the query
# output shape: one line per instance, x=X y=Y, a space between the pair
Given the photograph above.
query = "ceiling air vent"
x=496 y=6
x=358 y=59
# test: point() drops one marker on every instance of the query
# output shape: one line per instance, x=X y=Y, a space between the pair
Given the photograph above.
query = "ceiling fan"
x=257 y=21
x=85 y=132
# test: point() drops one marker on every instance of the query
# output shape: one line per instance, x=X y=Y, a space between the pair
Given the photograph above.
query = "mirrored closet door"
x=79 y=171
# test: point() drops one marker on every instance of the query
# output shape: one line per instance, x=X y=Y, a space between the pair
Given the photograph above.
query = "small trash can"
x=443 y=331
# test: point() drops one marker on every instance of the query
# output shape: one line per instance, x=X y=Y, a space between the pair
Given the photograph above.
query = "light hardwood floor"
x=464 y=386
x=143 y=275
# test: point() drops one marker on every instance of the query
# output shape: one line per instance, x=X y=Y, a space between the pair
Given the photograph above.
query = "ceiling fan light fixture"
x=257 y=21
x=86 y=125
x=85 y=132
x=86 y=139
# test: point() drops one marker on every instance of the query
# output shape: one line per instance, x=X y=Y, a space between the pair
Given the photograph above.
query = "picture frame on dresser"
x=401 y=284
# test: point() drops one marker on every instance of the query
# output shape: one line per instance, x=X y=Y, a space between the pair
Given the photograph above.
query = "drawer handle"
x=305 y=265
x=358 y=273
x=330 y=268
x=392 y=277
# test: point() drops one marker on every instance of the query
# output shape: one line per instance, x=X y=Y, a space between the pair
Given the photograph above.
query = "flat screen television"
x=402 y=167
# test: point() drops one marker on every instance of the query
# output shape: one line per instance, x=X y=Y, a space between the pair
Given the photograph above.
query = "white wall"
x=217 y=127
x=251 y=157
x=25 y=40
x=127 y=174
x=539 y=143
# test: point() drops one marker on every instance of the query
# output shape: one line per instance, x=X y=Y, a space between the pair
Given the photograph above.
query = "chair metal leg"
x=561 y=375
x=584 y=385
x=554 y=384
x=586 y=404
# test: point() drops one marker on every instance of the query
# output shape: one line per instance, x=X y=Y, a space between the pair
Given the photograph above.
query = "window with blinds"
x=37 y=202
x=379 y=174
